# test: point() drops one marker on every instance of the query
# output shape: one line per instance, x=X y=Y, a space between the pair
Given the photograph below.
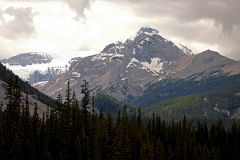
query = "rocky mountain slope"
x=126 y=69
x=43 y=101
x=42 y=108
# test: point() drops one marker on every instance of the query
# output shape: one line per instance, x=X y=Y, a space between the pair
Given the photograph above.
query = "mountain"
x=206 y=64
x=43 y=101
x=124 y=70
x=28 y=59
x=167 y=90
x=220 y=104
x=144 y=70
x=127 y=69
x=35 y=66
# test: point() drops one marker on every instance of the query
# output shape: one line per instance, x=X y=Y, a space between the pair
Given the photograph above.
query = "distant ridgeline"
x=27 y=59
x=212 y=98
x=169 y=89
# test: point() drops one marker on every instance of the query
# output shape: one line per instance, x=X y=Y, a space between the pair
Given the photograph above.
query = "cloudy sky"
x=70 y=26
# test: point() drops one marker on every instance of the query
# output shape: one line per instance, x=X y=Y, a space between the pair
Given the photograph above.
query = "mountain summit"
x=147 y=44
x=126 y=69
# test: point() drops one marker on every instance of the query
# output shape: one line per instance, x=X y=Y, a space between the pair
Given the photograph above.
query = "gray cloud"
x=21 y=26
x=223 y=12
x=79 y=6
x=182 y=19
x=207 y=22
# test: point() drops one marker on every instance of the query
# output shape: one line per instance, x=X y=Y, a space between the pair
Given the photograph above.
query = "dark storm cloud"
x=21 y=26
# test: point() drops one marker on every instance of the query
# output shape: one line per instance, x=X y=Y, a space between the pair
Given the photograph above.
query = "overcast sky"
x=67 y=26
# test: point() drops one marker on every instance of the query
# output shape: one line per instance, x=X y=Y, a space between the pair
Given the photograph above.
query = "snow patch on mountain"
x=117 y=56
x=145 y=31
x=101 y=56
x=134 y=51
x=132 y=62
x=60 y=64
x=155 y=66
x=224 y=111
x=39 y=84
x=76 y=74
x=184 y=49
x=148 y=31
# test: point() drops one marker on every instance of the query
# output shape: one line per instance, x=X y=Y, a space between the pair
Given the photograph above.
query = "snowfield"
x=60 y=63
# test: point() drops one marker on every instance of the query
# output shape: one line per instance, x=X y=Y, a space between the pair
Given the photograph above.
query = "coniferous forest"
x=70 y=131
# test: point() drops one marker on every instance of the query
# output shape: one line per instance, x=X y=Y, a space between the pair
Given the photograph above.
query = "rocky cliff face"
x=126 y=69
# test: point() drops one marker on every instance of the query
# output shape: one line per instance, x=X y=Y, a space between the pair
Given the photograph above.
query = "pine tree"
x=66 y=124
x=36 y=124
x=12 y=138
x=85 y=105
x=59 y=102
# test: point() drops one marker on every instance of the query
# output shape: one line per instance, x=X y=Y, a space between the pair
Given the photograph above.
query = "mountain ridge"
x=125 y=70
x=43 y=101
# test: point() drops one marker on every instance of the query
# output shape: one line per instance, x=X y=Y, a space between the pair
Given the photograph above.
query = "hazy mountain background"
x=146 y=70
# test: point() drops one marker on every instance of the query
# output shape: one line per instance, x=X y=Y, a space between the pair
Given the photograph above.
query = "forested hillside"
x=77 y=132
x=166 y=90
x=212 y=103
x=102 y=128
x=8 y=77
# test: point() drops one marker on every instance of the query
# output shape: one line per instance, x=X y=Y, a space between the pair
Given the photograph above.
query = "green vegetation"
x=107 y=104
x=102 y=128
x=167 y=90
x=211 y=106
x=110 y=105
x=77 y=132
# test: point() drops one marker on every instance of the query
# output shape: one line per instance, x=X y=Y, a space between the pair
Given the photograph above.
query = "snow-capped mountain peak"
x=147 y=31
x=126 y=69
x=30 y=58
x=147 y=44
x=184 y=49
x=36 y=66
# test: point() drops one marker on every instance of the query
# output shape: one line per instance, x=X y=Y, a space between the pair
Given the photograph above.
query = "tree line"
x=73 y=130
